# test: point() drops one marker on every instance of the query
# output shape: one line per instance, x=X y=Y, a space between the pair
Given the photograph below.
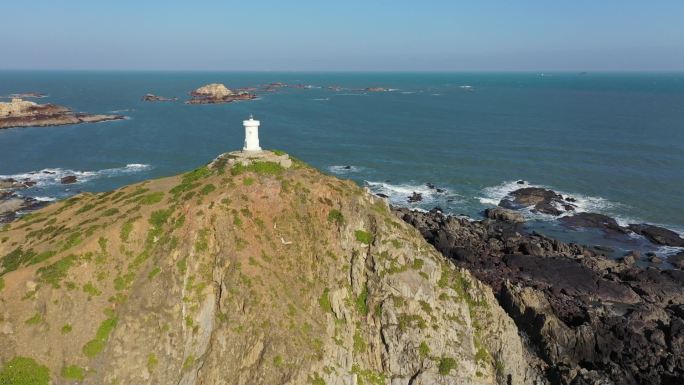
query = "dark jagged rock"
x=593 y=220
x=591 y=319
x=677 y=260
x=415 y=197
x=69 y=179
x=539 y=199
x=658 y=235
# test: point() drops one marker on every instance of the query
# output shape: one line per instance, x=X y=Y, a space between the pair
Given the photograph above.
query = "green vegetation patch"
x=126 y=230
x=24 y=371
x=324 y=301
x=364 y=237
x=154 y=272
x=55 y=273
x=152 y=362
x=189 y=181
x=2 y=283
x=110 y=212
x=35 y=320
x=446 y=365
x=91 y=290
x=67 y=328
x=264 y=168
x=424 y=350
x=73 y=372
x=97 y=345
x=74 y=239
x=368 y=377
x=152 y=198
x=362 y=302
x=359 y=343
x=411 y=321
x=335 y=216
x=207 y=189
x=15 y=258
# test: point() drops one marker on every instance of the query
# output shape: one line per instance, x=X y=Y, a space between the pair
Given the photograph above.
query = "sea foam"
x=53 y=176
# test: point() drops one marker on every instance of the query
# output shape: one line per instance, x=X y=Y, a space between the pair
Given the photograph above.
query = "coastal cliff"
x=591 y=319
x=245 y=271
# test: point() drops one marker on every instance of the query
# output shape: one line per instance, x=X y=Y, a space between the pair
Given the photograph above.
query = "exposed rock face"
x=593 y=220
x=11 y=203
x=591 y=319
x=21 y=113
x=505 y=215
x=217 y=93
x=214 y=90
x=245 y=272
x=658 y=235
x=538 y=199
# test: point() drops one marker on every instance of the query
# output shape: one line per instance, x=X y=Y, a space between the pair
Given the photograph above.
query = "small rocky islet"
x=23 y=113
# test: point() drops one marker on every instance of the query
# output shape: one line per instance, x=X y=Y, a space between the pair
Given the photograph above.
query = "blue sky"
x=353 y=35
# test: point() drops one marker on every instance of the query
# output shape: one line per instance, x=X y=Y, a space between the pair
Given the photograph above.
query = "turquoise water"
x=615 y=141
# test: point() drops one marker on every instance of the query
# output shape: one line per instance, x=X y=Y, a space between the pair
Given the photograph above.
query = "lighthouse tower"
x=251 y=135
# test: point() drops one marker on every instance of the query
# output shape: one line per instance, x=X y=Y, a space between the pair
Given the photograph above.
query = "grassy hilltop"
x=241 y=272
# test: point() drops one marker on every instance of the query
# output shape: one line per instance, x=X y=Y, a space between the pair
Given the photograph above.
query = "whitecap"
x=45 y=199
x=53 y=176
x=398 y=194
x=583 y=203
x=344 y=169
x=321 y=99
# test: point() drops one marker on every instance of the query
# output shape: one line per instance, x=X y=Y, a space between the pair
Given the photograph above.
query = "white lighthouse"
x=251 y=135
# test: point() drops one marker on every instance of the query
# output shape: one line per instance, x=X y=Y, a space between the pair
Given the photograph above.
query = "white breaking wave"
x=399 y=194
x=344 y=169
x=53 y=176
x=493 y=195
x=321 y=99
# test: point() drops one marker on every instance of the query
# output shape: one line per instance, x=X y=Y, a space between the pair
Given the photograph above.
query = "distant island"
x=157 y=98
x=23 y=113
x=217 y=93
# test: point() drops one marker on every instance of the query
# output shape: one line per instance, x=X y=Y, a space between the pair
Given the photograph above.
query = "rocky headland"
x=216 y=93
x=23 y=113
x=590 y=319
x=251 y=270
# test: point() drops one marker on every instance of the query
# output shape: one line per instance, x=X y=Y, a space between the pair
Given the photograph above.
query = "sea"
x=613 y=141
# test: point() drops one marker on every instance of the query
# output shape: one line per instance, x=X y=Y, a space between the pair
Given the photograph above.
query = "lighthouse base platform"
x=248 y=157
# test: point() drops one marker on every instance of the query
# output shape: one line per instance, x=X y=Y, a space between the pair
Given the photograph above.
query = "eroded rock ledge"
x=591 y=319
x=22 y=113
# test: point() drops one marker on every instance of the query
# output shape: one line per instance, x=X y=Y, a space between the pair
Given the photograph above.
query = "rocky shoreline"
x=590 y=319
x=22 y=113
x=12 y=204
